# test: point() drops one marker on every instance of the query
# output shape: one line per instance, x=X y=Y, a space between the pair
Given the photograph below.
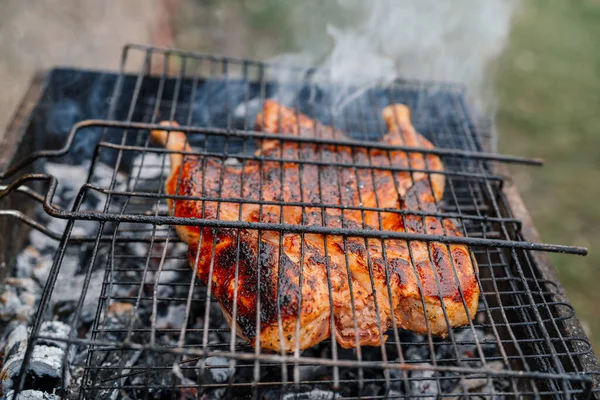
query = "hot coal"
x=32 y=395
x=44 y=371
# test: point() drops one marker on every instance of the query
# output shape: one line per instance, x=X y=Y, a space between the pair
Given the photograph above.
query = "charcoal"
x=372 y=389
x=44 y=370
x=17 y=300
x=216 y=370
x=172 y=318
x=216 y=394
x=466 y=347
x=417 y=353
x=27 y=260
x=147 y=167
x=34 y=263
x=314 y=394
x=423 y=383
x=69 y=286
x=54 y=329
x=31 y=395
x=398 y=380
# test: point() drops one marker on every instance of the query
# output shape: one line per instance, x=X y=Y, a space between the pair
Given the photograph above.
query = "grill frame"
x=546 y=269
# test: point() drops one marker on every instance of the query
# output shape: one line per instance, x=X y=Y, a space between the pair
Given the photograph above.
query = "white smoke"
x=381 y=40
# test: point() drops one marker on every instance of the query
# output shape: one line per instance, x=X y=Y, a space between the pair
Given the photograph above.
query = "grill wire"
x=516 y=344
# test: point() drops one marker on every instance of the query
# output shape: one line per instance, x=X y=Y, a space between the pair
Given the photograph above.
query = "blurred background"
x=540 y=81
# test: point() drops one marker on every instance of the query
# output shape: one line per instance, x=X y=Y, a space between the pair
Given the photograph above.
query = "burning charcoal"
x=466 y=347
x=488 y=386
x=120 y=310
x=472 y=383
x=215 y=394
x=45 y=366
x=26 y=261
x=17 y=300
x=314 y=372
x=35 y=260
x=32 y=395
x=182 y=379
x=151 y=168
x=41 y=241
x=397 y=379
x=103 y=177
x=54 y=329
x=216 y=370
x=417 y=353
x=70 y=179
x=85 y=228
x=372 y=390
x=69 y=286
x=423 y=384
x=468 y=350
x=172 y=318
x=314 y=394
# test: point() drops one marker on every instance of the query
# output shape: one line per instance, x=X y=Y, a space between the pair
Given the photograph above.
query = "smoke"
x=367 y=43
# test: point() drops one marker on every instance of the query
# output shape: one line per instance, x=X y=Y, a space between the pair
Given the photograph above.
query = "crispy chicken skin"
x=305 y=286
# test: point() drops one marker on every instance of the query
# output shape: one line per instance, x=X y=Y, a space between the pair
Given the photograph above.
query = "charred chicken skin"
x=288 y=291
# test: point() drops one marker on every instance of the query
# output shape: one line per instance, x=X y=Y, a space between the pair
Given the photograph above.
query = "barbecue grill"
x=118 y=311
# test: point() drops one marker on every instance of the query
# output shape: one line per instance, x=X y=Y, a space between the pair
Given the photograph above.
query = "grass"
x=549 y=86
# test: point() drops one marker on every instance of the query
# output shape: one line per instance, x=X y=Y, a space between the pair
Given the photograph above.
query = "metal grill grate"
x=157 y=333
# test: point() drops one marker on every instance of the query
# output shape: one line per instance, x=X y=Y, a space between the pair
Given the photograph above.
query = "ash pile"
x=136 y=292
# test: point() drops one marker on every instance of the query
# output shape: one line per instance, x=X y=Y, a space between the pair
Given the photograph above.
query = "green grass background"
x=548 y=82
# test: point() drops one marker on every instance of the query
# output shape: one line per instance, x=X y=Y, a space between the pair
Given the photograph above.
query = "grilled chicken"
x=288 y=291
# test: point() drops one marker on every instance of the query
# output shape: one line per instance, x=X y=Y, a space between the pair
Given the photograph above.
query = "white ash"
x=216 y=370
x=27 y=260
x=183 y=379
x=426 y=386
x=17 y=300
x=232 y=161
x=315 y=394
x=393 y=394
x=85 y=228
x=72 y=177
x=54 y=329
x=173 y=257
x=42 y=242
x=103 y=177
x=69 y=284
x=32 y=263
x=32 y=395
x=46 y=360
x=149 y=166
x=174 y=317
x=477 y=383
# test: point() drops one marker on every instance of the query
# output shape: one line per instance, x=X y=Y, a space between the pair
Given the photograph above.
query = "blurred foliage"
x=549 y=86
x=298 y=25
